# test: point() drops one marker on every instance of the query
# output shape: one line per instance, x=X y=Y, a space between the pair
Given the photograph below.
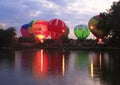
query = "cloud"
x=2 y=25
x=35 y=13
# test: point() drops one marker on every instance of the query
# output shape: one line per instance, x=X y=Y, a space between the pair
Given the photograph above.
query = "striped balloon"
x=57 y=28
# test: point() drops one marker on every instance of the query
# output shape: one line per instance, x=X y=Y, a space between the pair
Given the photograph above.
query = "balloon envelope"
x=57 y=28
x=24 y=30
x=81 y=32
x=92 y=24
x=40 y=29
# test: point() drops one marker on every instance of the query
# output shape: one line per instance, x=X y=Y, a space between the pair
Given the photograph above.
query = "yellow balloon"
x=92 y=24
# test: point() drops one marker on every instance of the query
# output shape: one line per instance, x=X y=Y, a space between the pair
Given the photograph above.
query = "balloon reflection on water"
x=52 y=63
x=40 y=64
x=97 y=60
x=80 y=67
x=81 y=59
x=48 y=64
x=56 y=63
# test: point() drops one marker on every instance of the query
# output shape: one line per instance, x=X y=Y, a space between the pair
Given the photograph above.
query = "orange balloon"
x=40 y=29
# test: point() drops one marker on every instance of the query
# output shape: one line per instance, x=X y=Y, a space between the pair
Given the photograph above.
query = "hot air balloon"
x=24 y=30
x=40 y=30
x=92 y=24
x=57 y=28
x=81 y=32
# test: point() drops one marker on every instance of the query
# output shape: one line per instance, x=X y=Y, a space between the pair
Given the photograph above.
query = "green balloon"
x=81 y=32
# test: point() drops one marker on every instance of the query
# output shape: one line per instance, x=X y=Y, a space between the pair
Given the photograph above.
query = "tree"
x=10 y=36
x=7 y=37
x=1 y=37
x=103 y=24
x=110 y=21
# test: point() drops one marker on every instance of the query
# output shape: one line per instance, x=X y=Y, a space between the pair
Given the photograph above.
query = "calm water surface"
x=58 y=67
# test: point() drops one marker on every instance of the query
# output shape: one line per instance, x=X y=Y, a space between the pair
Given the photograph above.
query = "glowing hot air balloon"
x=40 y=29
x=57 y=28
x=92 y=24
x=24 y=30
x=81 y=32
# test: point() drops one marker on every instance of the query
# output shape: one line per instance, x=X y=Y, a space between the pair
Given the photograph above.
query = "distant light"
x=91 y=68
x=99 y=40
x=91 y=27
x=63 y=31
x=41 y=37
x=63 y=64
x=100 y=60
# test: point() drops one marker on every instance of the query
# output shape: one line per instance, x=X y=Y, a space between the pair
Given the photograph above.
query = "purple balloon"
x=24 y=30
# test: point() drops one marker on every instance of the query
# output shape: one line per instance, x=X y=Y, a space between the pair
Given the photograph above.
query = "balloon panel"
x=25 y=33
x=56 y=25
x=25 y=26
x=92 y=24
x=55 y=35
x=30 y=26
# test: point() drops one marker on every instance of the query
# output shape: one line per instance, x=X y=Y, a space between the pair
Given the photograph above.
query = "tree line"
x=110 y=22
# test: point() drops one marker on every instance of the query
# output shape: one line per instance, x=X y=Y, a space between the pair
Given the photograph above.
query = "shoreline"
x=95 y=48
x=64 y=49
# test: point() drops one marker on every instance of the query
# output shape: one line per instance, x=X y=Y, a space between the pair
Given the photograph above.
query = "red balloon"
x=57 y=28
x=24 y=30
x=40 y=29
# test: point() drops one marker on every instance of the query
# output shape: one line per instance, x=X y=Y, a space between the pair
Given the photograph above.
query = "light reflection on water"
x=57 y=67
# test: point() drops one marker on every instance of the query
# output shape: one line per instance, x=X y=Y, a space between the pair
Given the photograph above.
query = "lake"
x=59 y=67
